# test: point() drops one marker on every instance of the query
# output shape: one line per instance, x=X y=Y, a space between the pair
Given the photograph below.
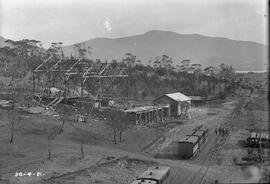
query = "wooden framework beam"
x=85 y=70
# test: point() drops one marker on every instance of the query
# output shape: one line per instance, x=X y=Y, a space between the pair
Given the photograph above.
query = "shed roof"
x=145 y=109
x=179 y=97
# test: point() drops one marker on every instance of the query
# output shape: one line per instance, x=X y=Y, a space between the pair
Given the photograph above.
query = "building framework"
x=82 y=71
x=148 y=115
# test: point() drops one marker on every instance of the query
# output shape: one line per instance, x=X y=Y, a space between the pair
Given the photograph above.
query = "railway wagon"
x=204 y=129
x=188 y=146
x=153 y=175
x=201 y=137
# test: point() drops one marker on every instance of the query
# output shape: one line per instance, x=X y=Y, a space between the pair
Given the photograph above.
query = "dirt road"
x=29 y=153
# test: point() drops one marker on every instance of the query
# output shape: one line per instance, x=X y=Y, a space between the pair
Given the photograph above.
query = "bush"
x=222 y=95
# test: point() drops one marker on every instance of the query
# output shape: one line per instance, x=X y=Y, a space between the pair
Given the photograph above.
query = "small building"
x=179 y=104
x=197 y=100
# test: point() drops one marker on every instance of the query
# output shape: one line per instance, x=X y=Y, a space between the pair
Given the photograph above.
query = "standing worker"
x=227 y=131
x=216 y=131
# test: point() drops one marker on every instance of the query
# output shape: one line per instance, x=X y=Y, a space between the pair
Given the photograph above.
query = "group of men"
x=222 y=131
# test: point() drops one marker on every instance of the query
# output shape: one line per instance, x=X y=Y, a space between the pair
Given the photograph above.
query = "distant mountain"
x=242 y=55
x=208 y=51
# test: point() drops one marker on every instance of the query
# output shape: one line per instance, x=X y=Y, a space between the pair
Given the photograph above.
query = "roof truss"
x=84 y=68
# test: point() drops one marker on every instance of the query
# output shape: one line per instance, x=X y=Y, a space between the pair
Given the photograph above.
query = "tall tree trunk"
x=62 y=125
x=82 y=153
x=49 y=149
x=120 y=136
x=12 y=130
x=6 y=64
x=114 y=137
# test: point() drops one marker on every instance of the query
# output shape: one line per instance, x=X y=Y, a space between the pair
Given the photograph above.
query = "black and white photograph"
x=134 y=92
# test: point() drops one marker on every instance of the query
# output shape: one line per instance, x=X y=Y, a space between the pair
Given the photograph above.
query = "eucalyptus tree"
x=29 y=54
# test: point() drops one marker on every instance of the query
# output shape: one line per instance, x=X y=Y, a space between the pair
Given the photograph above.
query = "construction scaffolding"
x=79 y=73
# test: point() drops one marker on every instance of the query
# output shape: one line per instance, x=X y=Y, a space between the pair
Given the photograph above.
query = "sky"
x=73 y=21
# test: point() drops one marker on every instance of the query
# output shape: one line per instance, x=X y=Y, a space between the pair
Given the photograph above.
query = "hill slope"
x=2 y=41
x=242 y=55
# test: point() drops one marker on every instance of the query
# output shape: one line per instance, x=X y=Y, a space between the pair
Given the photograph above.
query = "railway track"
x=200 y=174
x=220 y=142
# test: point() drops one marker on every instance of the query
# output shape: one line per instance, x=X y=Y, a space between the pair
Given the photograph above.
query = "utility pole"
x=65 y=90
x=33 y=79
x=260 y=148
x=99 y=93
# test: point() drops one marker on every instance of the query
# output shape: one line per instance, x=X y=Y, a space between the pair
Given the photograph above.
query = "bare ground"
x=143 y=147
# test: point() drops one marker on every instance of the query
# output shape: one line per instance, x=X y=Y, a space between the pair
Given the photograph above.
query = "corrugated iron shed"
x=179 y=97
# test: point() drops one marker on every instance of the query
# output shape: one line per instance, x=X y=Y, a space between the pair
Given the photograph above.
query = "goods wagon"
x=188 y=147
x=153 y=175
x=201 y=137
x=204 y=129
x=193 y=142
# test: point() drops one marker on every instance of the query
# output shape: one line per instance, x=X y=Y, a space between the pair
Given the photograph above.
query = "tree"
x=211 y=71
x=150 y=61
x=55 y=51
x=129 y=59
x=166 y=62
x=65 y=112
x=21 y=93
x=29 y=54
x=51 y=132
x=226 y=72
x=157 y=62
x=197 y=68
x=113 y=117
x=14 y=118
x=79 y=128
x=138 y=62
x=118 y=121
x=113 y=121
x=82 y=50
x=6 y=55
x=185 y=64
x=123 y=124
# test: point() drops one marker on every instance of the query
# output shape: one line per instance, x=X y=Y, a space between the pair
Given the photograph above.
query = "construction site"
x=134 y=92
x=152 y=135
